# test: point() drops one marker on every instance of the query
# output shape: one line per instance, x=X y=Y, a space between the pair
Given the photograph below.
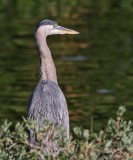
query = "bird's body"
x=47 y=101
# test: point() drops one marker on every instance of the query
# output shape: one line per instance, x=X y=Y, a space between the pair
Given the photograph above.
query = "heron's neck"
x=47 y=66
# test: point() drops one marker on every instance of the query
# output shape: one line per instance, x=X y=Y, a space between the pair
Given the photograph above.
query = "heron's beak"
x=63 y=30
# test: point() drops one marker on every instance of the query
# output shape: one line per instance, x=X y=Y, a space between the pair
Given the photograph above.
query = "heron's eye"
x=55 y=25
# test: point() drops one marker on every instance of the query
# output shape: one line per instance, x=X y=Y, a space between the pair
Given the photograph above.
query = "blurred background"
x=94 y=68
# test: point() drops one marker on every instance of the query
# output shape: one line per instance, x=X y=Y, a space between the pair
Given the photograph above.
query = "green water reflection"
x=94 y=68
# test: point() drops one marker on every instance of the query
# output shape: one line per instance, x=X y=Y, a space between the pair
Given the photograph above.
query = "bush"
x=113 y=143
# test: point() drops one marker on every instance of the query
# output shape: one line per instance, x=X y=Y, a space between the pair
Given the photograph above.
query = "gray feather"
x=47 y=102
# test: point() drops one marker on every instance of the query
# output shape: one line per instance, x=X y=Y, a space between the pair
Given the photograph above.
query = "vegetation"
x=114 y=142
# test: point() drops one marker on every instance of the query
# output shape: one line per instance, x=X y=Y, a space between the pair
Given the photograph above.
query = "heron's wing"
x=48 y=103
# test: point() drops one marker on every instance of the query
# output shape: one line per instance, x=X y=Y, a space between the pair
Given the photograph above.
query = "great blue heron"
x=47 y=101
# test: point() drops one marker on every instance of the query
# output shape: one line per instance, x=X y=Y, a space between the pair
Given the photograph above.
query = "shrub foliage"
x=115 y=142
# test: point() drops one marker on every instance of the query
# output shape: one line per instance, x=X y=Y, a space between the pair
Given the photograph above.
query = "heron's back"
x=47 y=102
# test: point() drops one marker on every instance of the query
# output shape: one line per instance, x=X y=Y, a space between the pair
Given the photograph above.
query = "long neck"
x=47 y=66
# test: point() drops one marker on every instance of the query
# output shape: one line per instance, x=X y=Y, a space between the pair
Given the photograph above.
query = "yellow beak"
x=63 y=30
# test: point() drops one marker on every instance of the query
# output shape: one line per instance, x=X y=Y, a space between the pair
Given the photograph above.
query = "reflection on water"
x=104 y=91
x=94 y=68
x=74 y=58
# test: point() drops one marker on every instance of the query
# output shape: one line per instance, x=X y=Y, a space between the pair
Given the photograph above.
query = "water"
x=94 y=68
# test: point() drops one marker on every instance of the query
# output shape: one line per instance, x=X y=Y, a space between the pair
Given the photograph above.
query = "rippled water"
x=94 y=68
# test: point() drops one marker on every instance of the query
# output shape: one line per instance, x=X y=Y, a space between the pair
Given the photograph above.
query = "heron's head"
x=51 y=27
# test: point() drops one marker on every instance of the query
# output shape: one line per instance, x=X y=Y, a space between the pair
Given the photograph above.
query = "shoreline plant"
x=115 y=142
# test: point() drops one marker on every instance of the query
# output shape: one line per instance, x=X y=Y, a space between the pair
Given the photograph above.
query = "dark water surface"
x=94 y=68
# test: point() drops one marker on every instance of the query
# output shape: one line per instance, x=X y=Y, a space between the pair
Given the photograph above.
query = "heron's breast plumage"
x=47 y=102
